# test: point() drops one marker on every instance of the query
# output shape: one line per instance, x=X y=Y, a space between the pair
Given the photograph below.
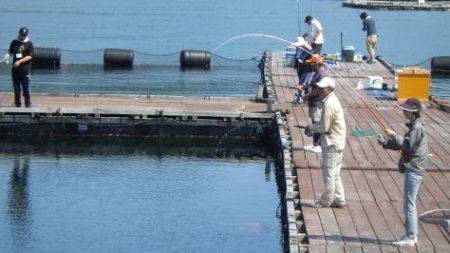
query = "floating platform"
x=374 y=188
x=102 y=115
x=398 y=5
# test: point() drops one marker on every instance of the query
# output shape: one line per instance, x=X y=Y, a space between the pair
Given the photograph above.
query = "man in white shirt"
x=314 y=34
x=333 y=133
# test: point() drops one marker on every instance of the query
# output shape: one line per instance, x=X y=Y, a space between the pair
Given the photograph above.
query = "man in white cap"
x=333 y=133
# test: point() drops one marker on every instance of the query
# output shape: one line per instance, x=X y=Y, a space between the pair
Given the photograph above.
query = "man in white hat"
x=333 y=133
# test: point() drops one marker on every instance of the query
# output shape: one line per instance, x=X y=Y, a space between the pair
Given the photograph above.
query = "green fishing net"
x=361 y=132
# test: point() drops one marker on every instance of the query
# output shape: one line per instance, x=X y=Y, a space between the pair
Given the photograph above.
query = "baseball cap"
x=326 y=82
x=308 y=18
x=411 y=105
x=363 y=15
x=23 y=32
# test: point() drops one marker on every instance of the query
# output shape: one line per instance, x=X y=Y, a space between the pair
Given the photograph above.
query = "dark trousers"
x=302 y=68
x=316 y=137
x=316 y=48
x=20 y=80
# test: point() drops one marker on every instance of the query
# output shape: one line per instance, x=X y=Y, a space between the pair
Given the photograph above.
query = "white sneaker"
x=404 y=241
x=312 y=148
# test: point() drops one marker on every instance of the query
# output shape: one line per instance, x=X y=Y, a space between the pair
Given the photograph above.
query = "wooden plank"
x=361 y=186
x=313 y=225
x=330 y=226
x=442 y=181
x=438 y=195
x=365 y=231
x=349 y=188
x=305 y=185
x=393 y=221
x=317 y=182
x=317 y=248
x=349 y=233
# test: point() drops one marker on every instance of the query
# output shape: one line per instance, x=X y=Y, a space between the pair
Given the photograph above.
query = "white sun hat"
x=299 y=42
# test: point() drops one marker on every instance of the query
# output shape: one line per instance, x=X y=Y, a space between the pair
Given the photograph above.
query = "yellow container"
x=413 y=83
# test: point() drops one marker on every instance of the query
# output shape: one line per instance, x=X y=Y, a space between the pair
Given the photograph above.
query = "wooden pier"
x=134 y=115
x=374 y=215
x=398 y=5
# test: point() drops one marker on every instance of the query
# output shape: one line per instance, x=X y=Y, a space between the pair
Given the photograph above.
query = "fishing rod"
x=298 y=18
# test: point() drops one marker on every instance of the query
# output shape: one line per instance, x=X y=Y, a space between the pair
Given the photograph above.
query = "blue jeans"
x=411 y=188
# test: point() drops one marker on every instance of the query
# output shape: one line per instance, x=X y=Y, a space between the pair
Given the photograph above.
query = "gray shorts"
x=315 y=113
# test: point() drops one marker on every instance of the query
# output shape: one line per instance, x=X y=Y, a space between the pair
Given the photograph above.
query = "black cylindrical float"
x=46 y=58
x=440 y=65
x=118 y=58
x=195 y=59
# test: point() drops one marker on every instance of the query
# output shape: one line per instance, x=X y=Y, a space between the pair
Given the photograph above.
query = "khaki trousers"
x=331 y=168
x=370 y=43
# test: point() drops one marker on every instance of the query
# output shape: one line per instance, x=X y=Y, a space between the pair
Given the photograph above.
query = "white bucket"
x=374 y=82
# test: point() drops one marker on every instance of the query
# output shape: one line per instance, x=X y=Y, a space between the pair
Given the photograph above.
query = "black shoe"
x=28 y=105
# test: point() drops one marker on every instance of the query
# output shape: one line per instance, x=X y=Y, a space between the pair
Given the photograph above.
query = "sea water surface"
x=80 y=196
x=166 y=27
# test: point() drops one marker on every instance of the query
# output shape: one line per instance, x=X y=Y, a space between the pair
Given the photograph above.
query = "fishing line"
x=250 y=35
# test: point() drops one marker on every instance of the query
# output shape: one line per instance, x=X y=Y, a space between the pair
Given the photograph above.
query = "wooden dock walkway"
x=398 y=5
x=374 y=215
x=133 y=103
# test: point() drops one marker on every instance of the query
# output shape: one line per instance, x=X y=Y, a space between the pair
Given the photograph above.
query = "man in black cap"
x=21 y=49
x=372 y=37
x=314 y=34
x=413 y=163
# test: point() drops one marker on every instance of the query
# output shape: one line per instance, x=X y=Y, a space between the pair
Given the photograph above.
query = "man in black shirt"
x=21 y=49
x=372 y=37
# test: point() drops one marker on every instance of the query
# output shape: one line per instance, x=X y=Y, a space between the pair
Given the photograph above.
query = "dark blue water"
x=135 y=199
x=170 y=26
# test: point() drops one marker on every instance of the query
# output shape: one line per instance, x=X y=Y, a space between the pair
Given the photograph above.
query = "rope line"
x=254 y=58
x=417 y=64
